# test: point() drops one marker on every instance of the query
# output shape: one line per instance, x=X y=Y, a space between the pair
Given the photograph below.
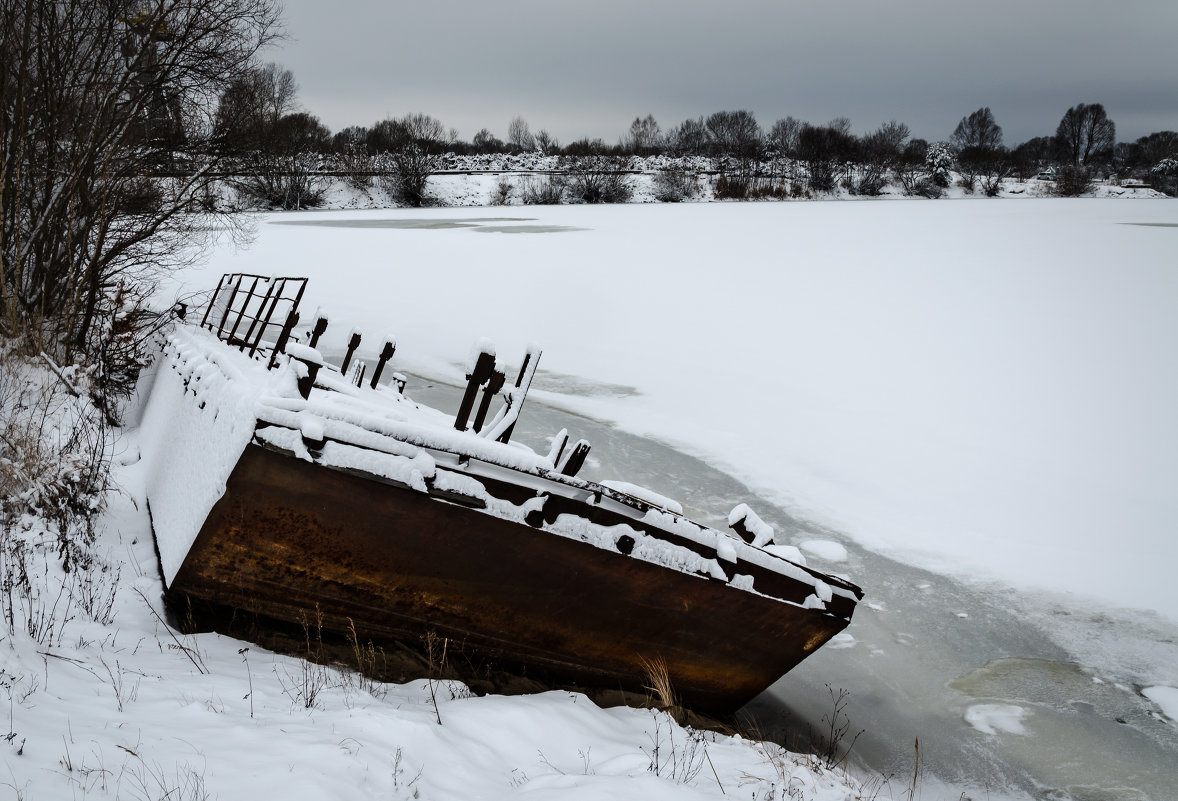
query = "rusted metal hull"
x=290 y=537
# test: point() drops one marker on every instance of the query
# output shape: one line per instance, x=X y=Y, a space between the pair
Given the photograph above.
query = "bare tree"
x=644 y=137
x=689 y=138
x=486 y=142
x=105 y=152
x=546 y=143
x=251 y=106
x=1085 y=131
x=824 y=149
x=784 y=136
x=879 y=152
x=412 y=146
x=978 y=142
x=977 y=130
x=277 y=90
x=840 y=124
x=519 y=136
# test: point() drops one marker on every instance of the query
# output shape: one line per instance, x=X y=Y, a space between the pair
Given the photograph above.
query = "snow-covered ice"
x=995 y=718
x=984 y=387
x=824 y=549
x=1166 y=698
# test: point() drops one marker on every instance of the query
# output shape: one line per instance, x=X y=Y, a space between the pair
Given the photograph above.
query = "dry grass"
x=658 y=683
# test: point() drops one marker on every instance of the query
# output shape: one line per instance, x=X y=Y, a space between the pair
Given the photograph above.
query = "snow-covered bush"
x=1072 y=181
x=54 y=472
x=1165 y=176
x=283 y=182
x=501 y=192
x=939 y=162
x=546 y=190
x=597 y=179
x=409 y=170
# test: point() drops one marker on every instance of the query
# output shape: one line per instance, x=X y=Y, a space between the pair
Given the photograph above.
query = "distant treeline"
x=257 y=118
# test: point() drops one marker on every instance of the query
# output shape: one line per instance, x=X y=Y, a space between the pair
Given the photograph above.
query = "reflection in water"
x=502 y=225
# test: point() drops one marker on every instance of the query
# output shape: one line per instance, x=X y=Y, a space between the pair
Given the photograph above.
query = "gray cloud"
x=580 y=69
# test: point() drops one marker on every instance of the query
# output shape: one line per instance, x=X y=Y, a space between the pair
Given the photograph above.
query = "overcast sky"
x=583 y=68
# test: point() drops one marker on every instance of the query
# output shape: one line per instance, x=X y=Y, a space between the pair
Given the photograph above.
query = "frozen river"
x=1011 y=694
x=983 y=391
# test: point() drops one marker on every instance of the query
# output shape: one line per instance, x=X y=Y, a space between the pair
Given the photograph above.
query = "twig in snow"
x=717 y=775
x=187 y=651
x=60 y=375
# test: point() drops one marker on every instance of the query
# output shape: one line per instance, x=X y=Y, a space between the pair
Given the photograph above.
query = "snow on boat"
x=285 y=489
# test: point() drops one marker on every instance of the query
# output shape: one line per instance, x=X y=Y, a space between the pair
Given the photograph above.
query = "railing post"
x=493 y=386
x=484 y=366
x=386 y=353
x=318 y=331
x=292 y=320
x=353 y=343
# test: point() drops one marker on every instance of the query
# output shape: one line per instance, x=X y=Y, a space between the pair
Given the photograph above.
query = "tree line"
x=260 y=115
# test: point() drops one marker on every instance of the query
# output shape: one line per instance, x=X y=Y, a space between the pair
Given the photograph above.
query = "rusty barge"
x=282 y=487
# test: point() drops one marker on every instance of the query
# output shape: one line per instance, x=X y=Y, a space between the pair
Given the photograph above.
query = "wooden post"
x=494 y=384
x=576 y=459
x=386 y=353
x=504 y=428
x=483 y=368
x=292 y=320
x=353 y=343
x=317 y=331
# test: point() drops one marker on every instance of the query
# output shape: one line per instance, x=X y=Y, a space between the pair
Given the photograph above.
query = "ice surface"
x=995 y=409
x=995 y=718
x=1166 y=698
x=824 y=549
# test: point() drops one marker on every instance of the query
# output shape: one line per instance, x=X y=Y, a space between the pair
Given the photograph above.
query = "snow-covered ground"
x=983 y=387
x=126 y=708
x=102 y=699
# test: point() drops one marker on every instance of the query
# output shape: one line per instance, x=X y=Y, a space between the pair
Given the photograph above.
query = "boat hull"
x=291 y=540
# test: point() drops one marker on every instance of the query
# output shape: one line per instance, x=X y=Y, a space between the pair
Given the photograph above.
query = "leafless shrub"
x=678 y=760
x=304 y=685
x=546 y=190
x=124 y=692
x=368 y=662
x=412 y=167
x=501 y=192
x=94 y=590
x=282 y=182
x=597 y=179
x=833 y=747
x=1072 y=181
x=675 y=184
x=150 y=782
x=54 y=473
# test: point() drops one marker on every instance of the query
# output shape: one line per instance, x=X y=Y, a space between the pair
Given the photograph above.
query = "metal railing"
x=245 y=308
